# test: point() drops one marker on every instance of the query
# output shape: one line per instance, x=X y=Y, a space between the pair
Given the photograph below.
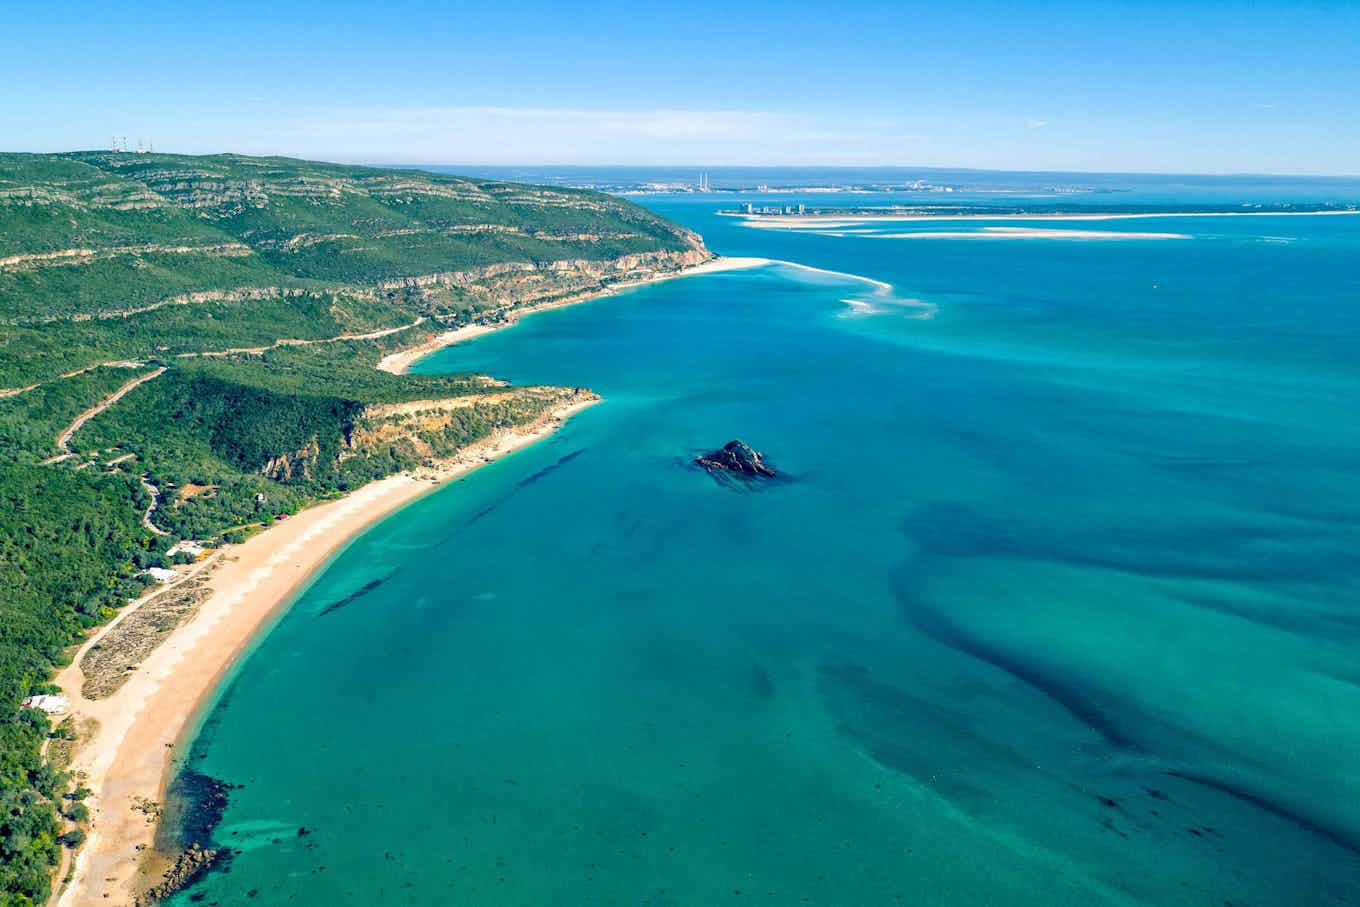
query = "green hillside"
x=200 y=336
x=91 y=238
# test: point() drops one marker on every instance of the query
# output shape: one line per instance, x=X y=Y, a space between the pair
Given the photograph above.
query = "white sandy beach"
x=129 y=757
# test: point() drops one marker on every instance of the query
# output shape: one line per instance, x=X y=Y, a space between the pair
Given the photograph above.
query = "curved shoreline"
x=400 y=362
x=880 y=285
x=397 y=363
x=129 y=758
x=882 y=291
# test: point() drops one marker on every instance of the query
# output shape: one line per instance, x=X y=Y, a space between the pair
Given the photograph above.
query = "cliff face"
x=416 y=430
x=411 y=422
x=512 y=284
x=498 y=279
x=301 y=462
x=431 y=429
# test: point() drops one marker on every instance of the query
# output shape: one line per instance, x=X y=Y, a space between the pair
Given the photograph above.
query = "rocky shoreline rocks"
x=188 y=867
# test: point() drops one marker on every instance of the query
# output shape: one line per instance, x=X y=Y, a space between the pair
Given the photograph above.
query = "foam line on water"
x=881 y=293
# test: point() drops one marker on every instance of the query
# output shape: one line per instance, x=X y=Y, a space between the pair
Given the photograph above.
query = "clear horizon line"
x=369 y=161
x=373 y=162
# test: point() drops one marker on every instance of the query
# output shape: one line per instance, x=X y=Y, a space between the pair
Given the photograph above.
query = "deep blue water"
x=1055 y=602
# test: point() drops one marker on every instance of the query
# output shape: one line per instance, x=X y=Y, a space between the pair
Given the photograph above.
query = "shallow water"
x=1055 y=602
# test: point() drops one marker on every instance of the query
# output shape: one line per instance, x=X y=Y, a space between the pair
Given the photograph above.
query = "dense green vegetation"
x=89 y=238
x=70 y=549
x=34 y=353
x=234 y=442
x=287 y=223
x=30 y=422
x=239 y=285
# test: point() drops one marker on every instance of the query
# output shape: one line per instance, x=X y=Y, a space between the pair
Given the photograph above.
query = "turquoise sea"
x=1057 y=602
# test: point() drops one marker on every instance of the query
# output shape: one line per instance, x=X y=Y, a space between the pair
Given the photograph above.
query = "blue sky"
x=1265 y=87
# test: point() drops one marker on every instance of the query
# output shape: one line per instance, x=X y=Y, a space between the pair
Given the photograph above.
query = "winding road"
x=64 y=439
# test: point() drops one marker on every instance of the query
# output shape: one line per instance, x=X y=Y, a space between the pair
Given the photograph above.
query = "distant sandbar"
x=832 y=221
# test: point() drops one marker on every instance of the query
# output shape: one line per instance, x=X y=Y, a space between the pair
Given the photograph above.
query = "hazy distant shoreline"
x=824 y=220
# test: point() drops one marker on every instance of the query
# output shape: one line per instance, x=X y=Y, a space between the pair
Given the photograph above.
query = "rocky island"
x=736 y=457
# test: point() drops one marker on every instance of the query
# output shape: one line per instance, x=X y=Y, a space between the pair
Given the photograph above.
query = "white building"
x=188 y=546
x=52 y=705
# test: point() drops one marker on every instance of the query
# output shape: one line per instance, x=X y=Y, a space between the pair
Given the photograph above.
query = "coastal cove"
x=130 y=753
x=1029 y=618
x=193 y=351
x=655 y=455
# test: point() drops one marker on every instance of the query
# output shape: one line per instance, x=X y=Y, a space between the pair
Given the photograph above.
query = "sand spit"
x=879 y=285
x=1024 y=233
x=832 y=221
x=880 y=297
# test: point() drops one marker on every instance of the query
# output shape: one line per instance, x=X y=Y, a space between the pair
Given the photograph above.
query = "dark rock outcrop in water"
x=736 y=457
x=188 y=867
x=194 y=806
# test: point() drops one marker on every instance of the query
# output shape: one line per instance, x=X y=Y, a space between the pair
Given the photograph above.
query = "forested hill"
x=159 y=244
x=188 y=350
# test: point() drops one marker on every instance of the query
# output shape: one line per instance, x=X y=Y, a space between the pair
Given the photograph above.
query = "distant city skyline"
x=1123 y=87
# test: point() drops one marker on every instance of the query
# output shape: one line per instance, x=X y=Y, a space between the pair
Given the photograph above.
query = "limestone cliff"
x=508 y=285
